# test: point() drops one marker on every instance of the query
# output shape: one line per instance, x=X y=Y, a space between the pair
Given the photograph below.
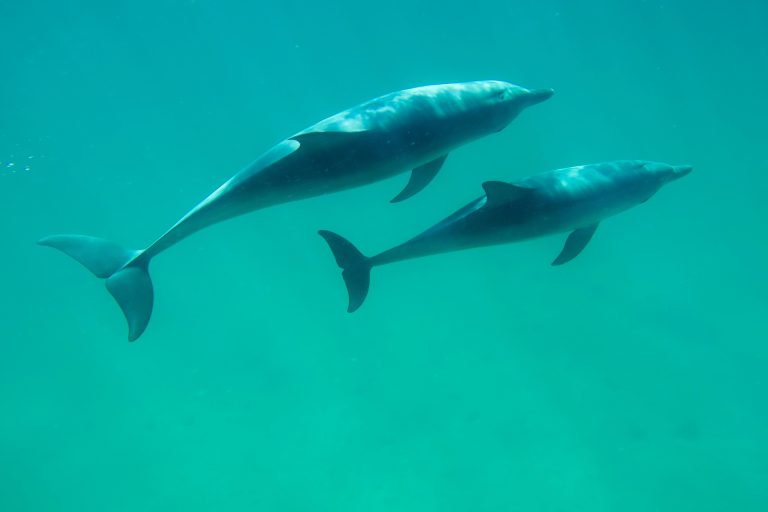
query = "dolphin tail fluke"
x=356 y=268
x=127 y=275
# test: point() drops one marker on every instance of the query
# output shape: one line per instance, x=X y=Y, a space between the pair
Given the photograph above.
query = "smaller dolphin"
x=575 y=199
x=411 y=130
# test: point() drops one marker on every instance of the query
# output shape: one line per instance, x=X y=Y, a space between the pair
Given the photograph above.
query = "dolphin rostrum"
x=575 y=199
x=412 y=130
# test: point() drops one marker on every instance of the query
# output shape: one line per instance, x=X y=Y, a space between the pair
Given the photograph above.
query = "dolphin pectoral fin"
x=420 y=178
x=500 y=192
x=575 y=243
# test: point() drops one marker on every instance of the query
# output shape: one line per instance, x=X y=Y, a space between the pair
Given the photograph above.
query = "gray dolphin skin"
x=412 y=130
x=575 y=199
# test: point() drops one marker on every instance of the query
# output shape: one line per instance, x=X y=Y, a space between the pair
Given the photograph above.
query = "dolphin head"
x=504 y=101
x=637 y=180
x=665 y=173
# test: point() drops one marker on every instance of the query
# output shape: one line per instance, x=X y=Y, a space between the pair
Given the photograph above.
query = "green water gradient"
x=632 y=379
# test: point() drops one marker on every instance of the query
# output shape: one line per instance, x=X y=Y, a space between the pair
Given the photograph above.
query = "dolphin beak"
x=538 y=95
x=682 y=170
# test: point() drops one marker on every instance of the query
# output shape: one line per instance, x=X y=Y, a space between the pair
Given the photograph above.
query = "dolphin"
x=413 y=129
x=575 y=200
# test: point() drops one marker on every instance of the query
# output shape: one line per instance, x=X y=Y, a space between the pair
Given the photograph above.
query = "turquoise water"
x=633 y=378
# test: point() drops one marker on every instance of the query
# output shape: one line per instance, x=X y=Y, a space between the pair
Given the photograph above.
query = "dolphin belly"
x=328 y=162
x=541 y=211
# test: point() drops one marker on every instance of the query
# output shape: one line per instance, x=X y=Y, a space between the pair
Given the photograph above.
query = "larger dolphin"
x=575 y=199
x=412 y=130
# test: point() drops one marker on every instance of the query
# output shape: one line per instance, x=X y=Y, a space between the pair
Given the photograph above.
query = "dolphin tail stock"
x=126 y=274
x=356 y=268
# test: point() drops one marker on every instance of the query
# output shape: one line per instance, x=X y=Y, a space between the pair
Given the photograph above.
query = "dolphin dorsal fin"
x=500 y=192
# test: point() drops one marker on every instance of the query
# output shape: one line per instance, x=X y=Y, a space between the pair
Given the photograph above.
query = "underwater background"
x=633 y=378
